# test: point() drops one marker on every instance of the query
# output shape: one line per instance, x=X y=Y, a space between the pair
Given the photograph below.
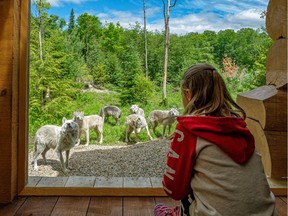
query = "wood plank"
x=113 y=182
x=167 y=201
x=266 y=104
x=52 y=182
x=80 y=181
x=281 y=207
x=278 y=152
x=7 y=159
x=33 y=181
x=12 y=208
x=278 y=186
x=102 y=206
x=272 y=145
x=65 y=191
x=138 y=206
x=284 y=198
x=37 y=206
x=276 y=63
x=22 y=147
x=137 y=182
x=71 y=206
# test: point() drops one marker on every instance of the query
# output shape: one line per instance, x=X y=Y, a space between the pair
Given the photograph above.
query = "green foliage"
x=139 y=91
x=71 y=21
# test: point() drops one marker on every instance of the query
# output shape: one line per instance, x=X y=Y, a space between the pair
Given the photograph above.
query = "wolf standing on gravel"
x=86 y=123
x=59 y=138
x=135 y=122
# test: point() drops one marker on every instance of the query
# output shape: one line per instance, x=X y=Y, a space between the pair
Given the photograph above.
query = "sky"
x=185 y=17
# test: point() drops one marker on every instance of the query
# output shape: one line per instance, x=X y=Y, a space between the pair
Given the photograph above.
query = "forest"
x=68 y=58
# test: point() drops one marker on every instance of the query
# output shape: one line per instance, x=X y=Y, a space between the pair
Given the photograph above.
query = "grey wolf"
x=113 y=111
x=135 y=109
x=59 y=138
x=86 y=123
x=135 y=122
x=164 y=117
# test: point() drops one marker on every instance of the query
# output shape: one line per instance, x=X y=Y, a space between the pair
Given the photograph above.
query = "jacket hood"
x=230 y=134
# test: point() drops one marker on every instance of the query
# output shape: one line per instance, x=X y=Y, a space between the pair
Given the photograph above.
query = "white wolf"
x=135 y=122
x=86 y=123
x=135 y=109
x=164 y=117
x=59 y=138
x=113 y=111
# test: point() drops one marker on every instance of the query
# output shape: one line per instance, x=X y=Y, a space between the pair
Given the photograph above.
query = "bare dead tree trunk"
x=166 y=11
x=145 y=40
x=40 y=30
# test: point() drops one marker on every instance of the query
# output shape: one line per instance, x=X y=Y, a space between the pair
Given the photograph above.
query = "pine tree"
x=71 y=21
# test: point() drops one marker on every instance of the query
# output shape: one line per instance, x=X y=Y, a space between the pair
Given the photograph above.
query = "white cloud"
x=61 y=3
x=153 y=11
x=187 y=16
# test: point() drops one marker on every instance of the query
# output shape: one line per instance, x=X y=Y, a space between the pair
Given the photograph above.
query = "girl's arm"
x=179 y=165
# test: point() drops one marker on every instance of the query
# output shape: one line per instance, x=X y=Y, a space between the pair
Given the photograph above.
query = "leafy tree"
x=131 y=68
x=89 y=29
x=223 y=46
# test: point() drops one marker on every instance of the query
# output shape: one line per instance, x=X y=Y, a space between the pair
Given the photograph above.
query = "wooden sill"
x=93 y=186
x=115 y=186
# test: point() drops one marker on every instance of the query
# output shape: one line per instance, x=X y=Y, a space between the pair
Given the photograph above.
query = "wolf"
x=59 y=138
x=135 y=109
x=135 y=122
x=164 y=117
x=86 y=123
x=113 y=111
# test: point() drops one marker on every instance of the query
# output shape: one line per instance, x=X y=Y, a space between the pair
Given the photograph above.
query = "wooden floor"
x=100 y=196
x=118 y=206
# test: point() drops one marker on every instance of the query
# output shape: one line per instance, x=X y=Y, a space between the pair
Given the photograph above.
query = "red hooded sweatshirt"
x=230 y=134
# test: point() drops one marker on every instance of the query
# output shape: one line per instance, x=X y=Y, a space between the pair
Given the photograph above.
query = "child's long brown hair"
x=209 y=93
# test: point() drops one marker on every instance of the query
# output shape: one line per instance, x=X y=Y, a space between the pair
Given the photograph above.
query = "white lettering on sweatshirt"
x=179 y=139
x=169 y=172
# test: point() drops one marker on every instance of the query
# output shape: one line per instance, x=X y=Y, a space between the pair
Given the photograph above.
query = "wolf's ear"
x=64 y=120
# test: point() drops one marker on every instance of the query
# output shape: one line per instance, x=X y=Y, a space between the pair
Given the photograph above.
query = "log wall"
x=13 y=67
x=266 y=106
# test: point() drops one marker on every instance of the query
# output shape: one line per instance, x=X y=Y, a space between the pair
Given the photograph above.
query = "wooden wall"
x=266 y=106
x=13 y=68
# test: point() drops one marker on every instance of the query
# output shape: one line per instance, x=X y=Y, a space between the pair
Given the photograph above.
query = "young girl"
x=212 y=165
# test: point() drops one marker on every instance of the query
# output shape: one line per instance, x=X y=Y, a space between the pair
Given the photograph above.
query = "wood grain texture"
x=276 y=19
x=23 y=95
x=276 y=63
x=281 y=206
x=113 y=206
x=71 y=206
x=13 y=207
x=272 y=145
x=7 y=11
x=102 y=206
x=133 y=206
x=38 y=206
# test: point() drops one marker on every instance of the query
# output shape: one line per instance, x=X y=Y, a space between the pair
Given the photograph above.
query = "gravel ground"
x=146 y=159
